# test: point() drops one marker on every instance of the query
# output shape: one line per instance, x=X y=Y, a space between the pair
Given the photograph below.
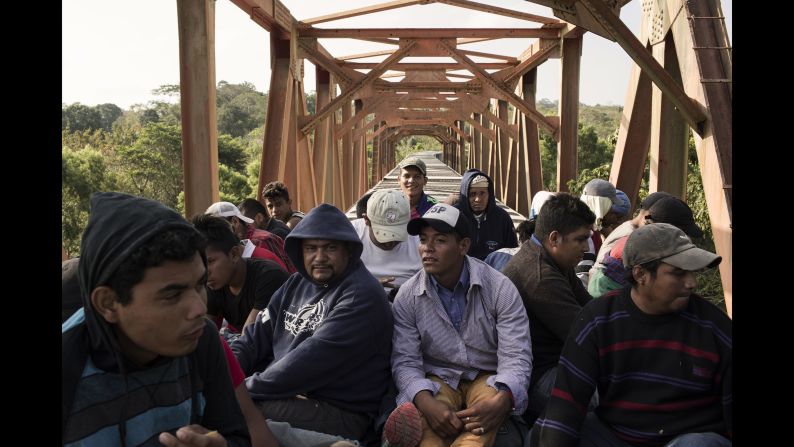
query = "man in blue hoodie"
x=493 y=227
x=318 y=355
x=141 y=365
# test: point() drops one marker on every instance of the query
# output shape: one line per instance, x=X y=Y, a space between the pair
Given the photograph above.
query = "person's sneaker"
x=403 y=428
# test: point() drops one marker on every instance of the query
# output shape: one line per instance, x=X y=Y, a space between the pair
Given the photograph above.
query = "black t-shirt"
x=278 y=228
x=262 y=279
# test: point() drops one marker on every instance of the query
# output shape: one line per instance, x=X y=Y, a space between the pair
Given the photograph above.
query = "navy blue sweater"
x=330 y=342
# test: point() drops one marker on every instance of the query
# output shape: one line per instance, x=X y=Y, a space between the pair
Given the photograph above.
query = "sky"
x=115 y=53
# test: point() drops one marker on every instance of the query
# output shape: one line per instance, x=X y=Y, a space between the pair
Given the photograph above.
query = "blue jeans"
x=595 y=434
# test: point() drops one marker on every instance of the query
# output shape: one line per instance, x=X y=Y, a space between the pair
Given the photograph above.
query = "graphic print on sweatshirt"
x=305 y=319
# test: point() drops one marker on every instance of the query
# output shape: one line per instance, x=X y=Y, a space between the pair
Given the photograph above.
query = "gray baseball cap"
x=600 y=188
x=414 y=161
x=667 y=243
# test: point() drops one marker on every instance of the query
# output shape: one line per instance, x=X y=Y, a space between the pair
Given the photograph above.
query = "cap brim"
x=385 y=233
x=415 y=226
x=693 y=259
x=244 y=219
x=416 y=166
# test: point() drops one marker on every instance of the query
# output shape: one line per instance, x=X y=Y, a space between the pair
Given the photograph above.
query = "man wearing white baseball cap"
x=660 y=356
x=244 y=229
x=461 y=356
x=389 y=253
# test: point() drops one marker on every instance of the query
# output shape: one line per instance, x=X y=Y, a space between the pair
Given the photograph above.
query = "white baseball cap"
x=444 y=218
x=226 y=209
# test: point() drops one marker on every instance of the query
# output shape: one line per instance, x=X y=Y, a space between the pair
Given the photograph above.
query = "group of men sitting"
x=392 y=323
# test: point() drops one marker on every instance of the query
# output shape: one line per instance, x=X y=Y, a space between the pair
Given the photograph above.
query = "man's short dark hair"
x=176 y=244
x=563 y=213
x=274 y=190
x=525 y=229
x=217 y=230
x=651 y=267
x=361 y=205
x=254 y=206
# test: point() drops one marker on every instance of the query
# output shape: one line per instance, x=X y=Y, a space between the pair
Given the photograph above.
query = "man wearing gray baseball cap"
x=660 y=356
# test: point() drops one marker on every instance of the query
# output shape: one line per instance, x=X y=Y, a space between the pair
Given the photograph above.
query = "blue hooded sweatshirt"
x=330 y=342
x=496 y=229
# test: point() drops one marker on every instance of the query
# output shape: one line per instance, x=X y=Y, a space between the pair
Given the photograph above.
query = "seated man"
x=492 y=227
x=279 y=204
x=389 y=253
x=254 y=210
x=412 y=180
x=543 y=272
x=609 y=273
x=659 y=355
x=617 y=214
x=600 y=196
x=244 y=230
x=237 y=288
x=462 y=352
x=318 y=356
x=140 y=362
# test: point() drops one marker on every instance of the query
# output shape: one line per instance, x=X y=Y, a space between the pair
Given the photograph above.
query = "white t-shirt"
x=401 y=262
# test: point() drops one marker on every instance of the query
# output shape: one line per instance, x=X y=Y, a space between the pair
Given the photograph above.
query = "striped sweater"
x=658 y=376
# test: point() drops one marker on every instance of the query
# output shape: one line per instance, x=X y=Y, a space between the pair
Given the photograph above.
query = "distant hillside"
x=604 y=119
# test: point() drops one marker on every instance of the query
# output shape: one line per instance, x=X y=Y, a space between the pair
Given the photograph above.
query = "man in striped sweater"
x=659 y=355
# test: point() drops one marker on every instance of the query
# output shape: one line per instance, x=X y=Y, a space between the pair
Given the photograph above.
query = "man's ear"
x=464 y=245
x=258 y=219
x=639 y=274
x=555 y=238
x=366 y=220
x=236 y=252
x=106 y=303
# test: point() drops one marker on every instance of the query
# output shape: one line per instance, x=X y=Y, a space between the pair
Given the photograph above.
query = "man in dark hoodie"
x=141 y=365
x=318 y=355
x=493 y=228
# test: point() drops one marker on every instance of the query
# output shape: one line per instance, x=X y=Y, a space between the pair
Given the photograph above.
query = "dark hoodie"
x=103 y=402
x=330 y=342
x=496 y=229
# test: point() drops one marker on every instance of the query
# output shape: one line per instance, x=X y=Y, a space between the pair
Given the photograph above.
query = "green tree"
x=225 y=92
x=83 y=172
x=241 y=114
x=80 y=117
x=593 y=151
x=548 y=160
x=231 y=152
x=152 y=166
x=311 y=102
x=232 y=186
x=109 y=113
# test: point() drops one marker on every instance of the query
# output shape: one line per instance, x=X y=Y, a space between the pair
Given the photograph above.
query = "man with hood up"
x=141 y=365
x=318 y=355
x=493 y=228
